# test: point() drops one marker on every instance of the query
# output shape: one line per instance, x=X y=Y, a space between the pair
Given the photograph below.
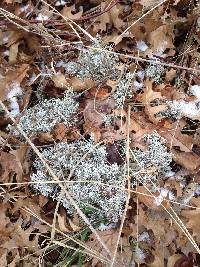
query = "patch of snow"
x=142 y=46
x=24 y=8
x=144 y=237
x=104 y=227
x=195 y=89
x=163 y=194
x=5 y=39
x=15 y=90
x=61 y=63
x=6 y=53
x=42 y=17
x=60 y=3
x=138 y=85
x=139 y=255
x=188 y=109
x=140 y=74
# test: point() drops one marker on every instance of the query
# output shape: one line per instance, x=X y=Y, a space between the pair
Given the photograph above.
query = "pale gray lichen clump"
x=96 y=63
x=124 y=89
x=91 y=170
x=92 y=174
x=155 y=160
x=154 y=72
x=45 y=115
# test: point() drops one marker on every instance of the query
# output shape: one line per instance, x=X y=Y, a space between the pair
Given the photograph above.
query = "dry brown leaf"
x=95 y=111
x=109 y=237
x=161 y=39
x=99 y=93
x=173 y=259
x=4 y=230
x=144 y=198
x=170 y=75
x=10 y=166
x=188 y=160
x=67 y=13
x=13 y=52
x=148 y=96
x=79 y=85
x=112 y=17
x=20 y=238
x=193 y=217
x=16 y=75
x=62 y=224
x=60 y=81
x=21 y=155
x=74 y=227
x=59 y=132
x=115 y=16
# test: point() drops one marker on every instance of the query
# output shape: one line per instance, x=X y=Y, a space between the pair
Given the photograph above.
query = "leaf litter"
x=109 y=94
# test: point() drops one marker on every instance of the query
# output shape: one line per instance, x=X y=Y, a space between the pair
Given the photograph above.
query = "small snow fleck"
x=24 y=8
x=60 y=3
x=139 y=254
x=141 y=45
x=144 y=237
x=140 y=74
x=6 y=53
x=138 y=85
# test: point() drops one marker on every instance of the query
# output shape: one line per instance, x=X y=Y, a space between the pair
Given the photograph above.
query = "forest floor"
x=100 y=133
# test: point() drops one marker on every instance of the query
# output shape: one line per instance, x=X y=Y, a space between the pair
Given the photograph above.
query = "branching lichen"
x=95 y=63
x=45 y=115
x=92 y=176
x=154 y=161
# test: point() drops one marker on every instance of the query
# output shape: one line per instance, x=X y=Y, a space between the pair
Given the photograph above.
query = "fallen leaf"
x=161 y=39
x=60 y=81
x=188 y=160
x=10 y=166
x=68 y=13
x=193 y=217
x=148 y=96
x=173 y=259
